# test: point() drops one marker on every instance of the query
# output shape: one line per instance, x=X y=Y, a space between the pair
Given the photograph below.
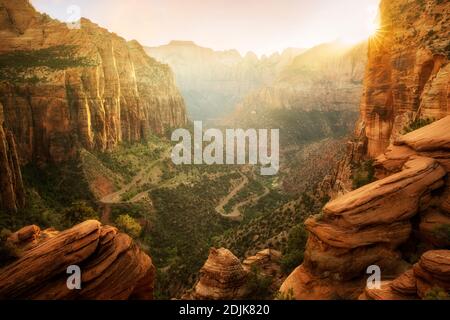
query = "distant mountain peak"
x=182 y=43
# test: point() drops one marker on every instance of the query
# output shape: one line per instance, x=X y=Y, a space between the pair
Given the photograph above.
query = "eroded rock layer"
x=222 y=277
x=428 y=279
x=407 y=75
x=12 y=194
x=368 y=226
x=112 y=265
x=407 y=80
x=64 y=87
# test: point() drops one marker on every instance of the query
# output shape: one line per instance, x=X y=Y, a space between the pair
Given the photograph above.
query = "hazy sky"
x=262 y=26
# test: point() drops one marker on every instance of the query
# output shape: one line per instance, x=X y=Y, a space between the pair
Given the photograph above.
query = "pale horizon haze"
x=260 y=26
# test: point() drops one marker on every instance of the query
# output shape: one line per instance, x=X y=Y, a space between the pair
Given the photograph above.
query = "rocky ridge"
x=368 y=226
x=325 y=78
x=213 y=82
x=112 y=265
x=64 y=88
x=406 y=79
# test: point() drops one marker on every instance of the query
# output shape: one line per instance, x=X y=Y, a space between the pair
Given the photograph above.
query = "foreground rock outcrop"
x=428 y=279
x=369 y=225
x=62 y=88
x=112 y=265
x=224 y=277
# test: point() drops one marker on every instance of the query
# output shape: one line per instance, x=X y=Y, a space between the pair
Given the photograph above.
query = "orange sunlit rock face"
x=113 y=93
x=407 y=72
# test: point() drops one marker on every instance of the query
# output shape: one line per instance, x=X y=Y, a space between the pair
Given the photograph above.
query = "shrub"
x=293 y=255
x=78 y=213
x=417 y=124
x=128 y=225
x=259 y=285
x=15 y=65
x=285 y=295
x=364 y=174
x=437 y=294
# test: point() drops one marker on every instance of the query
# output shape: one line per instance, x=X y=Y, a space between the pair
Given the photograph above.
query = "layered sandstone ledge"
x=432 y=272
x=407 y=74
x=224 y=277
x=112 y=265
x=368 y=226
x=221 y=278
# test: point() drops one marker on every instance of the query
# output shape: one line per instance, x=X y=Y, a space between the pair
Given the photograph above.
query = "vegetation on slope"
x=417 y=124
x=16 y=66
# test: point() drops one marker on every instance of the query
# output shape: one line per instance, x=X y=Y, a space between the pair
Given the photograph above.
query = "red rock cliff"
x=407 y=209
x=408 y=69
x=12 y=194
x=63 y=88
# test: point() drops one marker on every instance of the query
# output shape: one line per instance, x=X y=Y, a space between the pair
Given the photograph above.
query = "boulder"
x=112 y=265
x=222 y=277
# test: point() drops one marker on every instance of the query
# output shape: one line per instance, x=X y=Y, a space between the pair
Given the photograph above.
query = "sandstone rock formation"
x=62 y=88
x=407 y=79
x=12 y=194
x=222 y=277
x=112 y=265
x=267 y=261
x=268 y=264
x=432 y=272
x=408 y=71
x=367 y=226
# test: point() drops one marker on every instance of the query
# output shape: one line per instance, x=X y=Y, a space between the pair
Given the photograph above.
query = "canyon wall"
x=387 y=223
x=328 y=77
x=407 y=79
x=398 y=221
x=63 y=88
x=407 y=74
x=12 y=194
x=213 y=82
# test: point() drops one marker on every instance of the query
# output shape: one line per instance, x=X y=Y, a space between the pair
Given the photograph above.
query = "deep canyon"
x=86 y=177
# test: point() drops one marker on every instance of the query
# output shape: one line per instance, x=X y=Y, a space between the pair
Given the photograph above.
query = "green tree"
x=293 y=254
x=128 y=225
x=417 y=124
x=78 y=213
x=259 y=285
